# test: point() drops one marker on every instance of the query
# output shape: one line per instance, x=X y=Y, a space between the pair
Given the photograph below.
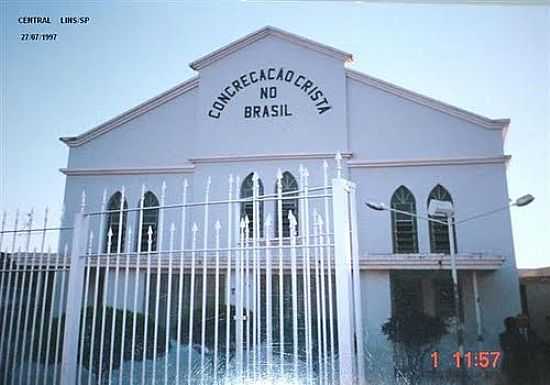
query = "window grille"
x=113 y=223
x=288 y=185
x=150 y=219
x=439 y=232
x=247 y=208
x=404 y=227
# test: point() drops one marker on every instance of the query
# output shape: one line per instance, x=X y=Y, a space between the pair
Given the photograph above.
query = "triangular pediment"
x=263 y=33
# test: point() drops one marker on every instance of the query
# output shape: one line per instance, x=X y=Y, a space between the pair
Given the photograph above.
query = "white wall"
x=376 y=305
x=306 y=131
x=383 y=126
x=163 y=136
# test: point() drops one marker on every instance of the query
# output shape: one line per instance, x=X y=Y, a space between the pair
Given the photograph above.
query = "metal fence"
x=32 y=301
x=207 y=294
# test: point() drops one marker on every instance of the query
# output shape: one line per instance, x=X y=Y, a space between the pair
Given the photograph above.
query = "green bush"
x=414 y=335
x=105 y=343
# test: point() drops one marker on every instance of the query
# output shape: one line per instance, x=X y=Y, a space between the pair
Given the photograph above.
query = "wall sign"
x=268 y=104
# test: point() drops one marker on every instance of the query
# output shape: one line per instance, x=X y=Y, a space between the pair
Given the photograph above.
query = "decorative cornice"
x=127 y=171
x=492 y=124
x=267 y=157
x=265 y=32
x=427 y=162
x=368 y=262
x=144 y=107
x=430 y=262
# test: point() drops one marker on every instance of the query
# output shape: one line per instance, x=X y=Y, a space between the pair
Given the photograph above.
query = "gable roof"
x=492 y=124
x=263 y=33
x=148 y=105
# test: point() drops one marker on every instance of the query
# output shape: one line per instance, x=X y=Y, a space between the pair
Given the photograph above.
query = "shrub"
x=105 y=343
x=414 y=334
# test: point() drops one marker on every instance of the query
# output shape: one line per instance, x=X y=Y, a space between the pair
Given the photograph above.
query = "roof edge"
x=491 y=124
x=148 y=105
x=230 y=48
x=180 y=169
x=537 y=272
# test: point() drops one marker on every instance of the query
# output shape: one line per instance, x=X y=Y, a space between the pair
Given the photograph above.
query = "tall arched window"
x=404 y=229
x=247 y=208
x=439 y=232
x=150 y=218
x=289 y=188
x=113 y=223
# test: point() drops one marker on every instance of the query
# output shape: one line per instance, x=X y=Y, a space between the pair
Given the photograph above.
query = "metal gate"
x=191 y=292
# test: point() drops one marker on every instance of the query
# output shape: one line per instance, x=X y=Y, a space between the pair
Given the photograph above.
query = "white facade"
x=388 y=136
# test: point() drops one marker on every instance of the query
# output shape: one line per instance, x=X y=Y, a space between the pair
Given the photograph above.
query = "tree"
x=414 y=335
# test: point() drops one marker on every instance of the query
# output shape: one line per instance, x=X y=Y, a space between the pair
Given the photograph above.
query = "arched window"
x=439 y=232
x=289 y=188
x=150 y=218
x=113 y=223
x=404 y=229
x=247 y=208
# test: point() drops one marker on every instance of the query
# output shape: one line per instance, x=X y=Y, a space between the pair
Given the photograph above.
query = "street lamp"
x=445 y=209
x=523 y=200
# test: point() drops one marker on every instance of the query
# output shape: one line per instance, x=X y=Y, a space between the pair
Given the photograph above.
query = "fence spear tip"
x=291 y=218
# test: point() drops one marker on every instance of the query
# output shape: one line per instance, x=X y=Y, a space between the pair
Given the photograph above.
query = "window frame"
x=439 y=232
x=149 y=200
x=403 y=199
x=112 y=221
x=287 y=182
x=247 y=207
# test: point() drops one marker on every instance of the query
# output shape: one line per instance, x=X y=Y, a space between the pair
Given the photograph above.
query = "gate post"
x=74 y=300
x=357 y=301
x=342 y=267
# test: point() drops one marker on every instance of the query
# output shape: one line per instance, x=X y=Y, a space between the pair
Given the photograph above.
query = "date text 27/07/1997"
x=38 y=36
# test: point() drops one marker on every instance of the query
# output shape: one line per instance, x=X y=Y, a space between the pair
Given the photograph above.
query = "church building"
x=268 y=106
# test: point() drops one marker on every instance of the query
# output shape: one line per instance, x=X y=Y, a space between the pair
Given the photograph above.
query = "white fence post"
x=74 y=300
x=358 y=306
x=342 y=266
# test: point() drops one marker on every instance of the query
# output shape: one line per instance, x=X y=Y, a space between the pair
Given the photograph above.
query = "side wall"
x=384 y=126
x=475 y=189
x=160 y=137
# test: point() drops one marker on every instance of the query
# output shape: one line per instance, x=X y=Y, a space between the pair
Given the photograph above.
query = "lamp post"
x=445 y=209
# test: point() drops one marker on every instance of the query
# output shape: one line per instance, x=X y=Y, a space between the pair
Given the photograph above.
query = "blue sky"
x=492 y=60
